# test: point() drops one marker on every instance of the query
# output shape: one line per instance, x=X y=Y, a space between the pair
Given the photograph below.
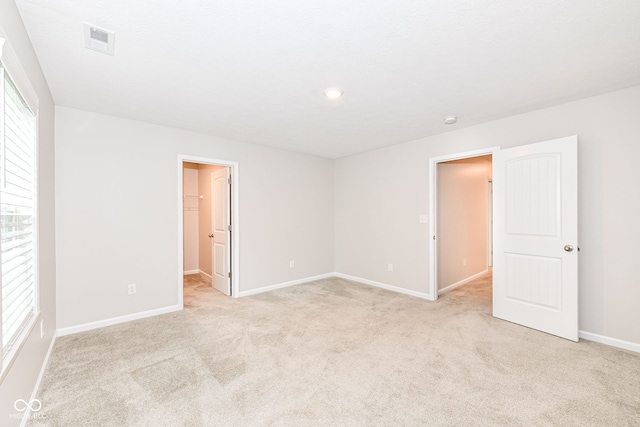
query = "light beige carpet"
x=335 y=353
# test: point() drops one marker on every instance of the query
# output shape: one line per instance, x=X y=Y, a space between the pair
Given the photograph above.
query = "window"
x=17 y=214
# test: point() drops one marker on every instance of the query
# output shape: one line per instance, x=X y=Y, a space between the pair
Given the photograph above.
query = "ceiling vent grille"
x=98 y=39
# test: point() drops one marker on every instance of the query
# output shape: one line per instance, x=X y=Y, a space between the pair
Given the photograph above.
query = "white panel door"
x=535 y=271
x=220 y=235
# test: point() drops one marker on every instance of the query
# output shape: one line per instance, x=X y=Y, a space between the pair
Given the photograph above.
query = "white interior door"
x=535 y=271
x=220 y=234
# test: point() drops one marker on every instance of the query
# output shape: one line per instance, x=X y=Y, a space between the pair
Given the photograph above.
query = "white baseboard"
x=188 y=272
x=115 y=320
x=384 y=286
x=208 y=276
x=461 y=282
x=284 y=285
x=614 y=342
x=340 y=275
x=36 y=387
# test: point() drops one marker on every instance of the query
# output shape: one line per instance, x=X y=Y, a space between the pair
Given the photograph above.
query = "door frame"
x=433 y=198
x=235 y=221
x=490 y=220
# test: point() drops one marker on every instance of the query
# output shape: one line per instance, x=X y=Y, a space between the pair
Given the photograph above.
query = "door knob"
x=211 y=235
x=568 y=248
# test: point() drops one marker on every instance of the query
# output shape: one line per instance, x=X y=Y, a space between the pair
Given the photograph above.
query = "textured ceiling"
x=254 y=70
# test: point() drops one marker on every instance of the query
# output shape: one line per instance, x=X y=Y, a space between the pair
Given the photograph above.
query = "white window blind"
x=17 y=211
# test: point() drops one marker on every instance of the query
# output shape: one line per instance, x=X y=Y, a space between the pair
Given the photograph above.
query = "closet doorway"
x=209 y=223
x=461 y=220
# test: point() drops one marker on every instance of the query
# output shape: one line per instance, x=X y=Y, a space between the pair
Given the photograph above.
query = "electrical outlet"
x=424 y=219
x=390 y=267
x=132 y=288
x=42 y=328
x=292 y=264
x=464 y=262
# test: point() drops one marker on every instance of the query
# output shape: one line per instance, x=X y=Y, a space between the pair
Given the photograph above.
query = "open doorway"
x=535 y=264
x=208 y=225
x=461 y=221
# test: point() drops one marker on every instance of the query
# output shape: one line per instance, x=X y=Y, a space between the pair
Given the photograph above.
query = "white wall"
x=379 y=195
x=462 y=219
x=190 y=217
x=117 y=213
x=20 y=379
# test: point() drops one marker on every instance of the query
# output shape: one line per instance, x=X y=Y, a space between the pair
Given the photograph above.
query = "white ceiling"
x=254 y=70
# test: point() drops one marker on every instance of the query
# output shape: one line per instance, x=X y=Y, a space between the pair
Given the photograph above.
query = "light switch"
x=424 y=219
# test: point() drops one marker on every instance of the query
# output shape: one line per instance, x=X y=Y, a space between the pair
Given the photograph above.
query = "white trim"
x=462 y=282
x=490 y=221
x=339 y=275
x=613 y=342
x=235 y=221
x=36 y=387
x=384 y=286
x=433 y=173
x=189 y=272
x=208 y=276
x=285 y=284
x=18 y=75
x=180 y=232
x=116 y=320
x=21 y=339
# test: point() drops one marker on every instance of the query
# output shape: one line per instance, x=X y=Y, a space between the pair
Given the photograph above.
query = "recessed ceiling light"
x=333 y=92
x=449 y=120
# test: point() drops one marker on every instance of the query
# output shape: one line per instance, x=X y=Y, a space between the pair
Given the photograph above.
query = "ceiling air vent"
x=98 y=39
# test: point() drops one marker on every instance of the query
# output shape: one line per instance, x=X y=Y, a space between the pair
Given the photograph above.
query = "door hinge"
x=229 y=275
x=229 y=180
x=229 y=227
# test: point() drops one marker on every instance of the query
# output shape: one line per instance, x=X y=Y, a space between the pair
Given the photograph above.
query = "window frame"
x=16 y=73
